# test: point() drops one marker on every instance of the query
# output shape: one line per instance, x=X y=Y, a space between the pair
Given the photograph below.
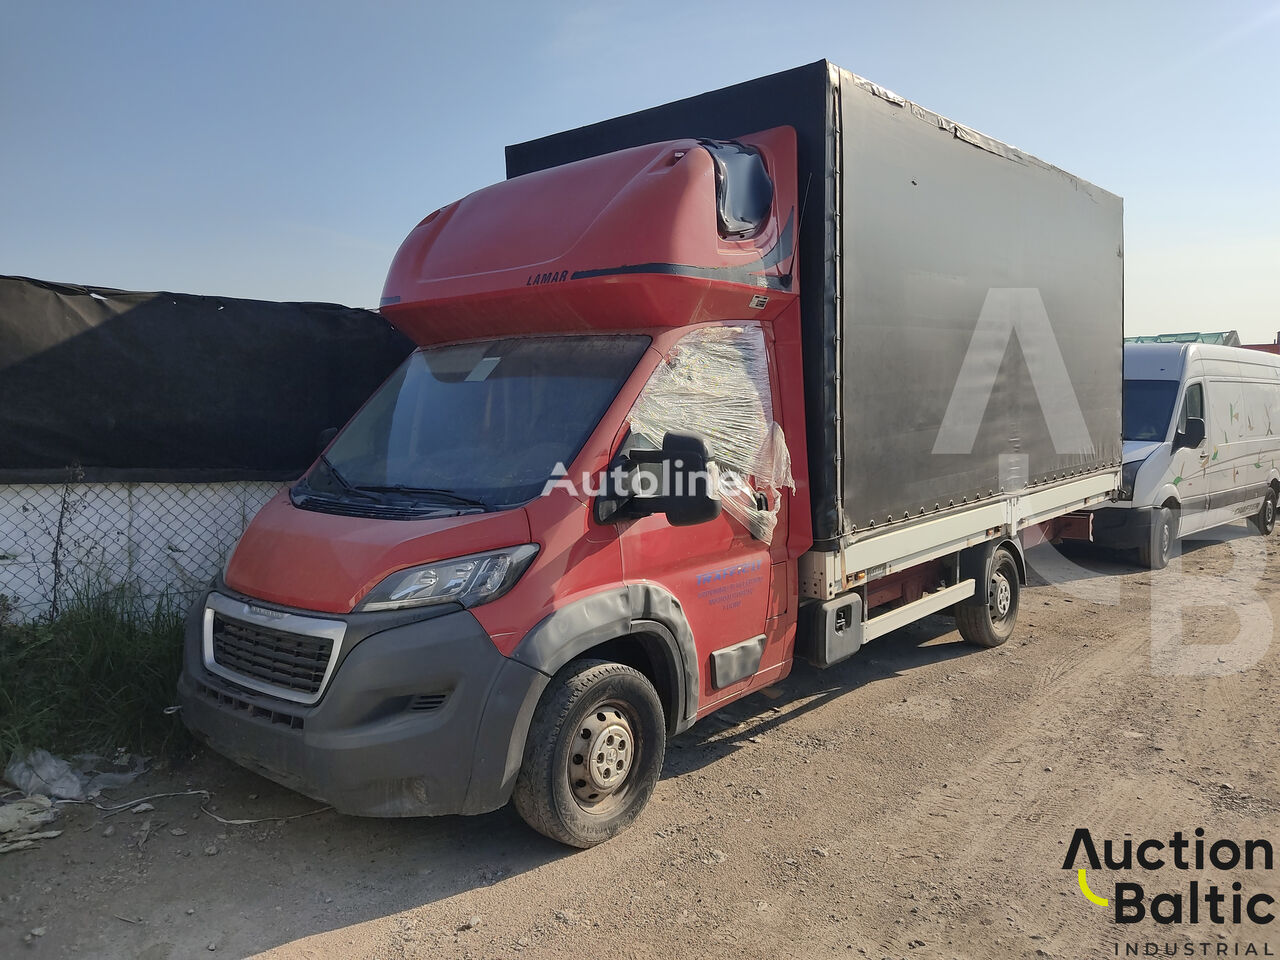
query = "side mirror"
x=1190 y=437
x=678 y=480
x=324 y=438
x=691 y=496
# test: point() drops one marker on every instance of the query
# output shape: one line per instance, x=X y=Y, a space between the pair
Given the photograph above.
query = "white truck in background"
x=1201 y=446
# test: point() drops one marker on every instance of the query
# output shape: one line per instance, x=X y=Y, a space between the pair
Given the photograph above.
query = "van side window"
x=715 y=384
x=1192 y=406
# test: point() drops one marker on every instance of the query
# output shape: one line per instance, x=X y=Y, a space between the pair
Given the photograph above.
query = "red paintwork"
x=788 y=393
x=465 y=272
x=476 y=267
x=620 y=303
x=580 y=557
x=318 y=561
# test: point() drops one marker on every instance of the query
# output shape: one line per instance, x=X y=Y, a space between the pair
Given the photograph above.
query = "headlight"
x=1128 y=474
x=471 y=580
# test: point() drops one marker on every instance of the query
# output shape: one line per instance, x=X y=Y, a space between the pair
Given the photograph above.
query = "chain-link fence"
x=156 y=539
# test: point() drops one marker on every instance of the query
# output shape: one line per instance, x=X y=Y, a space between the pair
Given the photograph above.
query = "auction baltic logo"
x=1188 y=902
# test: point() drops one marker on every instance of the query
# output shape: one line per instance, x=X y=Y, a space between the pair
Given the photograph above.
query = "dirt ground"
x=914 y=801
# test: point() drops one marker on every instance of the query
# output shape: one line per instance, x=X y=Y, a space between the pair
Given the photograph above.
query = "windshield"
x=1148 y=406
x=473 y=426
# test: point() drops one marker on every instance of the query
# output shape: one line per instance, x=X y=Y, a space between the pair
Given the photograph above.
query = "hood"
x=322 y=562
x=1135 y=451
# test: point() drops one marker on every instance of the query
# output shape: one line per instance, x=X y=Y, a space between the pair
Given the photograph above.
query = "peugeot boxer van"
x=663 y=435
x=1200 y=446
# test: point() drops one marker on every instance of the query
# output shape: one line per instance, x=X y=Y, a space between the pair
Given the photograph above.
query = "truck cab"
x=564 y=524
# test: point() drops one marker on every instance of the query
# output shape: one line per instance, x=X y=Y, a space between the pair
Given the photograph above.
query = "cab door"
x=715 y=383
x=1193 y=468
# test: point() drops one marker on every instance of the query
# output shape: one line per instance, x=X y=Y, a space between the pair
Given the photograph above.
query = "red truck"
x=699 y=391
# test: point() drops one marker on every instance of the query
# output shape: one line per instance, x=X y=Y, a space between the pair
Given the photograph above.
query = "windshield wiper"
x=429 y=491
x=343 y=482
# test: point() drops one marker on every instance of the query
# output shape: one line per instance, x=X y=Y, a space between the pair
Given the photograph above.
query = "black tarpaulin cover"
x=112 y=385
x=935 y=262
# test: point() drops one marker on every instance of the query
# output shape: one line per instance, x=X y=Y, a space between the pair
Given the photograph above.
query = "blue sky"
x=283 y=149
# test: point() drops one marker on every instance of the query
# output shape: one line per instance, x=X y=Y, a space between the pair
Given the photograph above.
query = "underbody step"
x=909 y=613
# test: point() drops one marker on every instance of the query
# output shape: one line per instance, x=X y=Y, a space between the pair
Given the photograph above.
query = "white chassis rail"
x=826 y=575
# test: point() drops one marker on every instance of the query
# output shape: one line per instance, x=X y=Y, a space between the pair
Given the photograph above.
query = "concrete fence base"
x=158 y=539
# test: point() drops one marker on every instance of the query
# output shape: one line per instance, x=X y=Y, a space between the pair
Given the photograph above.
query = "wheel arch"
x=1168 y=498
x=651 y=649
x=975 y=562
x=640 y=624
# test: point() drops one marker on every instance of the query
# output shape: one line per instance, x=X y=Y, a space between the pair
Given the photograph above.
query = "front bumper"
x=425 y=717
x=1123 y=528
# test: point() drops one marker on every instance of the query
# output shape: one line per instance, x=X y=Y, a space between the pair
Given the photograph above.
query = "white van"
x=1201 y=445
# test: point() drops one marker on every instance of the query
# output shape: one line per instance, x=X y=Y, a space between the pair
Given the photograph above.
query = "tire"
x=1265 y=521
x=566 y=793
x=988 y=618
x=1155 y=553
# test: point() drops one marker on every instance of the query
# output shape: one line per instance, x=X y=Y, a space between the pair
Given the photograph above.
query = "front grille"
x=290 y=720
x=291 y=661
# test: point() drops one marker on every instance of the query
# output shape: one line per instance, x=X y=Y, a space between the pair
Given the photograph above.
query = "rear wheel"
x=594 y=753
x=1265 y=521
x=987 y=619
x=1155 y=553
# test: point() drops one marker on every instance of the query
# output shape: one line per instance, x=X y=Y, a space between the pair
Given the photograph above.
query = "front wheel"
x=594 y=753
x=987 y=619
x=1265 y=521
x=1155 y=553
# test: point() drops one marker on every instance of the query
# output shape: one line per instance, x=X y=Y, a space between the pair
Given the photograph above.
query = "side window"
x=1193 y=405
x=715 y=384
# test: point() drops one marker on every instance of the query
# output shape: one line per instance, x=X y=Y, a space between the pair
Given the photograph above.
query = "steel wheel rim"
x=1000 y=596
x=602 y=756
